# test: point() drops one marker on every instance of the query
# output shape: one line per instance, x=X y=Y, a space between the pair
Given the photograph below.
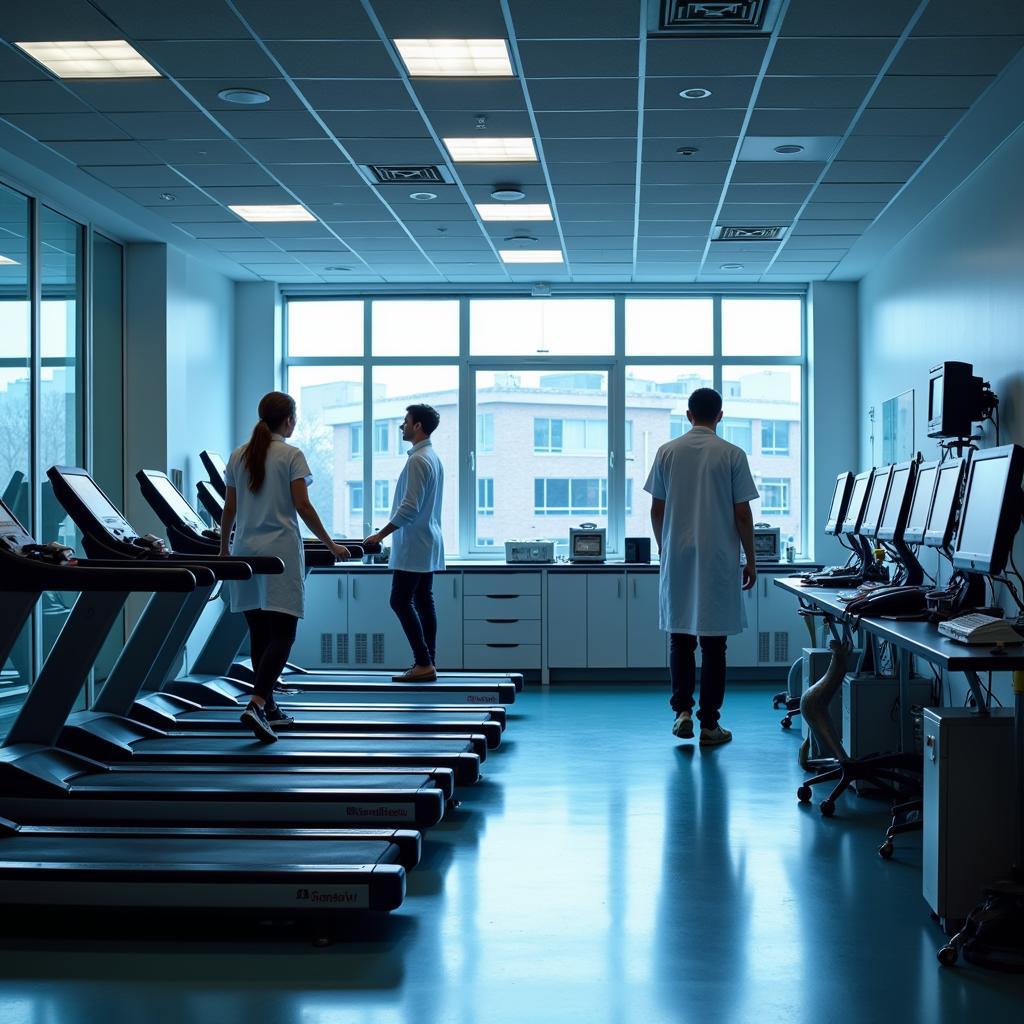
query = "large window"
x=555 y=405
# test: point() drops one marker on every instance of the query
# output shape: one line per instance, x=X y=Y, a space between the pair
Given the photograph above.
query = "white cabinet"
x=322 y=640
x=448 y=590
x=781 y=633
x=376 y=639
x=646 y=644
x=502 y=623
x=567 y=620
x=606 y=620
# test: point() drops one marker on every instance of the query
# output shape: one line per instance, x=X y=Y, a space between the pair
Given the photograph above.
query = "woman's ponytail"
x=274 y=409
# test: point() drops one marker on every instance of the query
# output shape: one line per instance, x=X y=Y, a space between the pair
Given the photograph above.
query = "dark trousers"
x=683 y=669
x=271 y=635
x=412 y=600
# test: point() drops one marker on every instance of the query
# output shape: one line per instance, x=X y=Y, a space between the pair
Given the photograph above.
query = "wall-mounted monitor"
x=991 y=510
x=955 y=399
x=921 y=502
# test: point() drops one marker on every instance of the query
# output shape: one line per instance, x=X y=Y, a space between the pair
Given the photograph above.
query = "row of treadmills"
x=156 y=796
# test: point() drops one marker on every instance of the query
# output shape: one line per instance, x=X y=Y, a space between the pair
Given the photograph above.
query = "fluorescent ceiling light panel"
x=256 y=214
x=98 y=58
x=484 y=149
x=530 y=255
x=502 y=211
x=6 y=261
x=456 y=58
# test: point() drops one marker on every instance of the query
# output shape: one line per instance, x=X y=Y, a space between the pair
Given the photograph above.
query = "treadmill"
x=42 y=783
x=187 y=533
x=217 y=868
x=462 y=686
x=155 y=643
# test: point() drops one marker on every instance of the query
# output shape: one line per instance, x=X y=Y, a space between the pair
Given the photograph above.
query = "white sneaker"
x=714 y=737
x=683 y=726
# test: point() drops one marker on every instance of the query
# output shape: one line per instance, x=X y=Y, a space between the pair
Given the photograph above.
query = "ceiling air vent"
x=769 y=233
x=406 y=174
x=690 y=17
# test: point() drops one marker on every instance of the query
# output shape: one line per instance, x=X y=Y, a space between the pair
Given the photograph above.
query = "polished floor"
x=601 y=872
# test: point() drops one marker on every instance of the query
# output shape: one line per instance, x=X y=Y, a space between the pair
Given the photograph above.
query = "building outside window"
x=381 y=499
x=484 y=496
x=553 y=496
x=485 y=432
x=774 y=496
x=774 y=437
x=570 y=436
x=355 y=440
x=355 y=498
x=739 y=433
x=381 y=436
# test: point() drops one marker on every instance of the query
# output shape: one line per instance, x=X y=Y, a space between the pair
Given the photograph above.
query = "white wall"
x=953 y=289
x=258 y=352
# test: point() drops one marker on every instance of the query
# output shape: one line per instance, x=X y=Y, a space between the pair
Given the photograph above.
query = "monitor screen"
x=917 y=519
x=860 y=487
x=935 y=387
x=943 y=504
x=178 y=504
x=983 y=507
x=588 y=544
x=97 y=503
x=838 y=496
x=876 y=499
x=894 y=503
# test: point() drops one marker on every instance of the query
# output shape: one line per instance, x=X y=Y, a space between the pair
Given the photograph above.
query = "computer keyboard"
x=976 y=628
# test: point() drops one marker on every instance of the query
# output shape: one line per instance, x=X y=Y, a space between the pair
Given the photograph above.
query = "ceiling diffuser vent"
x=769 y=233
x=406 y=174
x=689 y=17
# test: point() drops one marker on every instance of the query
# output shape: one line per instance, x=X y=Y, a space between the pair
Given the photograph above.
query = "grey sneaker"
x=714 y=737
x=683 y=726
x=276 y=716
x=256 y=719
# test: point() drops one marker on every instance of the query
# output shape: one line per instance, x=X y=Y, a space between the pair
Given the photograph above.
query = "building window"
x=485 y=542
x=629 y=437
x=558 y=496
x=484 y=496
x=774 y=437
x=775 y=496
x=380 y=496
x=739 y=433
x=485 y=432
x=677 y=426
x=629 y=496
x=381 y=436
x=355 y=498
x=355 y=440
x=547 y=435
x=570 y=437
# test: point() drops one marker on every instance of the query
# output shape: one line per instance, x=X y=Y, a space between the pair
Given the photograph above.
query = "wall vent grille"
x=341 y=647
x=782 y=647
x=362 y=649
x=326 y=648
x=692 y=17
x=406 y=174
x=378 y=648
x=760 y=233
x=764 y=648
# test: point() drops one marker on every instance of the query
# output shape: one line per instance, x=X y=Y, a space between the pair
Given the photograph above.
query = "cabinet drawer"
x=484 y=606
x=504 y=583
x=502 y=656
x=496 y=631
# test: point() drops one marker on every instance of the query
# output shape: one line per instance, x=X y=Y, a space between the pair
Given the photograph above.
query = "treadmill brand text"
x=316 y=896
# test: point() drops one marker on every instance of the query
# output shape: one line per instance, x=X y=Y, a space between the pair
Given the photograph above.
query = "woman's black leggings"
x=271 y=635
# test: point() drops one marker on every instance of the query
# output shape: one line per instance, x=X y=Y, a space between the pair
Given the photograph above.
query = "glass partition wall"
x=551 y=408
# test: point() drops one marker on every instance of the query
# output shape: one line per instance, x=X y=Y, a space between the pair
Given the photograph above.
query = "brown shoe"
x=417 y=674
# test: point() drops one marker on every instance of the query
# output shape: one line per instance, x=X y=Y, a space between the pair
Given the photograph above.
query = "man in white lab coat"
x=701 y=488
x=417 y=551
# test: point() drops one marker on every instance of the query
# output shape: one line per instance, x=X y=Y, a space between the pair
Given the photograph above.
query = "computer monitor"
x=893 y=520
x=877 y=494
x=174 y=500
x=97 y=503
x=855 y=506
x=921 y=503
x=216 y=470
x=840 y=498
x=991 y=509
x=945 y=502
x=955 y=399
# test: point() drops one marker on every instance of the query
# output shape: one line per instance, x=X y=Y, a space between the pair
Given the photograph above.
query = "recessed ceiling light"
x=520 y=238
x=283 y=212
x=531 y=255
x=789 y=149
x=508 y=195
x=423 y=197
x=247 y=97
x=337 y=270
x=695 y=94
x=732 y=266
x=6 y=261
x=481 y=149
x=459 y=58
x=687 y=150
x=99 y=58
x=168 y=197
x=528 y=211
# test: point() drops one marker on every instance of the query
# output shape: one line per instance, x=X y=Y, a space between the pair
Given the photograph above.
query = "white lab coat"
x=417 y=545
x=701 y=478
x=267 y=524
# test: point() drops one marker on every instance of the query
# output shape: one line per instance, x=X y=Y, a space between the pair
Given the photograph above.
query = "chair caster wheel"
x=803 y=794
x=885 y=851
x=827 y=808
x=947 y=956
x=787 y=722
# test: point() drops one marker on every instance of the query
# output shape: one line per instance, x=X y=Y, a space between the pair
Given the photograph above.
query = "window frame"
x=615 y=366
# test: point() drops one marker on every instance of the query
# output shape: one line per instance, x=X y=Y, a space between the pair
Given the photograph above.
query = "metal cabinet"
x=448 y=590
x=322 y=640
x=566 y=636
x=502 y=620
x=606 y=619
x=781 y=633
x=646 y=644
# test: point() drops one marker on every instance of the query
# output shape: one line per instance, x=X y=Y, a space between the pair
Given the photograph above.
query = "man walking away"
x=417 y=551
x=701 y=489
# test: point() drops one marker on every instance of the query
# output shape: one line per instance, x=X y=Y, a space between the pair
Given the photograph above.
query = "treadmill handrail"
x=71 y=578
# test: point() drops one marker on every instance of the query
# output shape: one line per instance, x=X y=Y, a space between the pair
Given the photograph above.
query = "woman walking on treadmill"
x=267 y=491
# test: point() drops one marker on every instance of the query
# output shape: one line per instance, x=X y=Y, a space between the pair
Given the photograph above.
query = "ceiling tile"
x=541 y=19
x=482 y=94
x=707 y=148
x=829 y=57
x=583 y=94
x=306 y=19
x=413 y=150
x=593 y=213
x=948 y=91
x=830 y=227
x=763 y=172
x=903 y=122
x=31 y=22
x=237 y=230
x=681 y=193
x=167 y=126
x=683 y=125
x=961 y=55
x=876 y=192
x=250 y=195
x=269 y=124
x=888 y=147
x=597 y=174
x=225 y=174
x=195 y=59
x=663 y=93
x=185 y=19
x=606 y=59
x=758 y=213
x=838 y=18
x=824 y=121
x=104 y=153
x=677 y=173
x=462 y=123
x=802 y=256
x=153 y=175
x=132 y=96
x=184 y=195
x=369 y=125
x=300 y=175
x=596 y=150
x=868 y=171
x=66 y=127
x=195 y=151
x=195 y=214
x=767 y=193
x=240 y=246
x=814 y=92
x=316 y=59
x=355 y=94
x=667 y=57
x=588 y=124
x=952 y=18
x=799 y=243
x=842 y=211
x=38 y=98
